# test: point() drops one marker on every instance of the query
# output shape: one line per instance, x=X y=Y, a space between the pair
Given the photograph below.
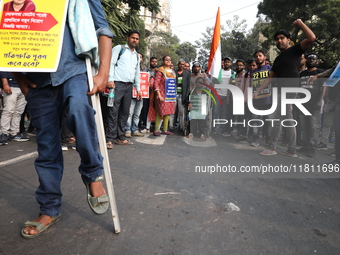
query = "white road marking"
x=208 y=142
x=246 y=146
x=18 y=159
x=151 y=139
x=168 y=193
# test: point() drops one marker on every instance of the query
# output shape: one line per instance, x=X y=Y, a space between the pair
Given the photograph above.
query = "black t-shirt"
x=287 y=67
x=314 y=88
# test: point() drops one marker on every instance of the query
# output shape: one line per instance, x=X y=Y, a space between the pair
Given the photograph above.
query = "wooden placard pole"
x=102 y=148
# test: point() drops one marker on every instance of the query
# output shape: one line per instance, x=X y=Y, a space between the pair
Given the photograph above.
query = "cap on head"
x=196 y=64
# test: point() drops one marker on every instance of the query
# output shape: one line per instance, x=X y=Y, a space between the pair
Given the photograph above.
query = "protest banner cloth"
x=31 y=41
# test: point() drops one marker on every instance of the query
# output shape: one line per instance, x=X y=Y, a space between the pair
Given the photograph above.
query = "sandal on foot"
x=99 y=205
x=268 y=153
x=123 y=142
x=39 y=227
x=109 y=145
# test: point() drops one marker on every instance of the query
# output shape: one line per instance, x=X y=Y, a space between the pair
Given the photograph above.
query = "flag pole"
x=215 y=57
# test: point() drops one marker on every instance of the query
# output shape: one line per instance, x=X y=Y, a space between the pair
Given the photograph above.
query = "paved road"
x=166 y=206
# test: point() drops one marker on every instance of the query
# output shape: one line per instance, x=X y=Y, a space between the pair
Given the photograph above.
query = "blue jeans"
x=276 y=128
x=310 y=127
x=221 y=112
x=133 y=120
x=46 y=105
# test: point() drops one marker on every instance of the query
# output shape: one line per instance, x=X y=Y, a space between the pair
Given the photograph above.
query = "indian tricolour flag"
x=214 y=64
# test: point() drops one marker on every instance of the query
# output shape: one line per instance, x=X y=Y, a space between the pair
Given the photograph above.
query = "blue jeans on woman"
x=46 y=105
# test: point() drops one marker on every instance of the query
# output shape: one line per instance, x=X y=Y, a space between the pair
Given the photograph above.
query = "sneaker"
x=268 y=153
x=64 y=148
x=287 y=153
x=74 y=147
x=322 y=147
x=128 y=134
x=332 y=153
x=310 y=153
x=136 y=134
x=3 y=139
x=202 y=137
x=21 y=137
x=226 y=134
x=143 y=131
x=254 y=144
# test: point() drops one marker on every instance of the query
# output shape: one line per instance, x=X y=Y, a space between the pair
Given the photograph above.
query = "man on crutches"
x=48 y=94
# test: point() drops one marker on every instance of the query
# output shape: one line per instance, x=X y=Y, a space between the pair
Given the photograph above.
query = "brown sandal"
x=123 y=142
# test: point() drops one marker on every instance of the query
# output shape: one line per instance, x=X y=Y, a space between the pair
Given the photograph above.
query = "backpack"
x=122 y=50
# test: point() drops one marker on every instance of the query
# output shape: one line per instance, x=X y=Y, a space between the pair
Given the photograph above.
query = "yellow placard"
x=31 y=34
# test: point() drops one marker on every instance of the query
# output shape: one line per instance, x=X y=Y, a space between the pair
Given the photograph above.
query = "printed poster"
x=257 y=80
x=199 y=106
x=144 y=85
x=170 y=90
x=31 y=34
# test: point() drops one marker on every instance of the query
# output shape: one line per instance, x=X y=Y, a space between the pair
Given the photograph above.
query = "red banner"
x=32 y=21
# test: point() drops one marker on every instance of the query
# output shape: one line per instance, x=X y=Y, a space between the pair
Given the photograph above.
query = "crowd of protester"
x=180 y=100
x=135 y=116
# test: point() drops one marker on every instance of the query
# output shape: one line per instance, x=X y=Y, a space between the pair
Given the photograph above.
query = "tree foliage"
x=186 y=51
x=122 y=15
x=162 y=43
x=322 y=16
x=236 y=41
